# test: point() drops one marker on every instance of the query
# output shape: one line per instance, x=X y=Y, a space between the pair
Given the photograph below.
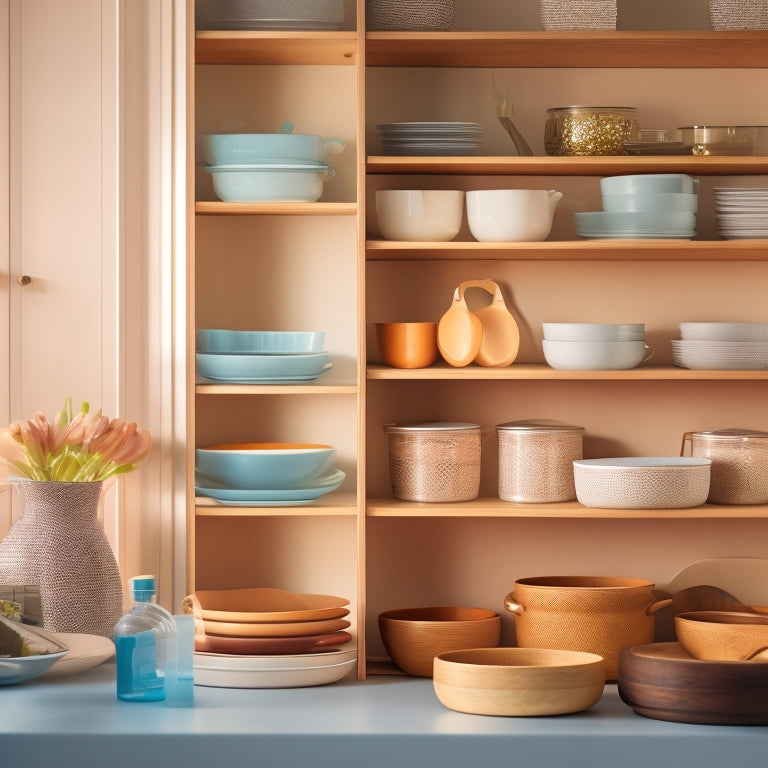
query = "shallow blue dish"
x=221 y=341
x=262 y=369
x=264 y=466
x=20 y=669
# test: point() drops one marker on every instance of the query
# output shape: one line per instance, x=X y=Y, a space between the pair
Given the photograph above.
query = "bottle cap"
x=142 y=587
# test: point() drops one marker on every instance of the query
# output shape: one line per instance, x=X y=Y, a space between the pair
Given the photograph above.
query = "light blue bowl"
x=262 y=148
x=263 y=466
x=652 y=201
x=269 y=183
x=642 y=183
x=220 y=341
x=262 y=369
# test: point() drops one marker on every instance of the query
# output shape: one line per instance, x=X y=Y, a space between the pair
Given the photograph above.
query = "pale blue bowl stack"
x=644 y=206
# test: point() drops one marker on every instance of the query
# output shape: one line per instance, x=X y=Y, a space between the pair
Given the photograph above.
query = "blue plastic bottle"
x=142 y=640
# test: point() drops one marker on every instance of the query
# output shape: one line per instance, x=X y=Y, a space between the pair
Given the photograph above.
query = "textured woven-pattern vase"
x=59 y=544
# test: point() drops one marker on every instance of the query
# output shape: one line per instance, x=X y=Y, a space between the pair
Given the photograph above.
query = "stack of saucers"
x=266 y=474
x=650 y=205
x=722 y=346
x=430 y=138
x=261 y=357
x=258 y=637
x=741 y=212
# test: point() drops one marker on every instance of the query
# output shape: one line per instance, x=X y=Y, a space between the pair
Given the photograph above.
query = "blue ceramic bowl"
x=264 y=466
x=269 y=183
x=220 y=341
x=261 y=148
x=262 y=369
x=652 y=201
x=19 y=669
x=643 y=183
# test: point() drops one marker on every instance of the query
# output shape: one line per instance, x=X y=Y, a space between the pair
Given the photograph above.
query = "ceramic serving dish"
x=263 y=368
x=227 y=342
x=20 y=669
x=265 y=183
x=265 y=148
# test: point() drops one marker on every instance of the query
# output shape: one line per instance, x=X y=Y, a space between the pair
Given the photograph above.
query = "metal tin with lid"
x=536 y=460
x=739 y=472
x=434 y=461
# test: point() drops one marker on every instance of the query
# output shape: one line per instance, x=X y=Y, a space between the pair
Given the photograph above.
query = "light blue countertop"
x=383 y=722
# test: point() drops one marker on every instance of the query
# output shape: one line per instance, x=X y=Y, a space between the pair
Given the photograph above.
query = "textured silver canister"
x=536 y=460
x=739 y=473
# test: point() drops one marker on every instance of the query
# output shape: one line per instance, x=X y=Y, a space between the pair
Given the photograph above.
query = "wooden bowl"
x=518 y=682
x=664 y=682
x=723 y=635
x=414 y=636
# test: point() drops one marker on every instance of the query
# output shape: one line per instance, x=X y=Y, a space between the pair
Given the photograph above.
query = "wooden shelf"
x=495 y=507
x=567 y=49
x=309 y=388
x=579 y=250
x=542 y=372
x=217 y=208
x=258 y=47
x=334 y=504
x=568 y=166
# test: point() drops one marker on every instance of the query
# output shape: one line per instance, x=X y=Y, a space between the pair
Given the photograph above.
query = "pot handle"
x=687 y=438
x=658 y=605
x=327 y=175
x=334 y=145
x=512 y=606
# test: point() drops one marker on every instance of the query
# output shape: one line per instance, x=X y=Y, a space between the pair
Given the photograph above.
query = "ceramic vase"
x=59 y=544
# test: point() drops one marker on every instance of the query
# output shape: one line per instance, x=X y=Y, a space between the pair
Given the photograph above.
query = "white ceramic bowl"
x=595 y=355
x=511 y=215
x=594 y=331
x=643 y=183
x=651 y=201
x=419 y=214
x=645 y=482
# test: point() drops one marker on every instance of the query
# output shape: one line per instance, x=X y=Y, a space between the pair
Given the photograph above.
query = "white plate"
x=299 y=677
x=724 y=355
x=255 y=662
x=85 y=652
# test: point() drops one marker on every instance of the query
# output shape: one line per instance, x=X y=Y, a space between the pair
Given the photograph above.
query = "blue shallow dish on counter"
x=20 y=669
x=220 y=341
x=307 y=492
x=262 y=369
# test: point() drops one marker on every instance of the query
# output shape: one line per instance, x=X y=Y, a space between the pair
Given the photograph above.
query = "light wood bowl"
x=414 y=636
x=723 y=635
x=518 y=682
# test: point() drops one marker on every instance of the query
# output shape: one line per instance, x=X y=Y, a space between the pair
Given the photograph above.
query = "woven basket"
x=578 y=14
x=410 y=15
x=738 y=14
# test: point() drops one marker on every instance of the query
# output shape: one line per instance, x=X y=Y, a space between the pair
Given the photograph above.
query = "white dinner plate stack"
x=741 y=212
x=430 y=138
x=722 y=346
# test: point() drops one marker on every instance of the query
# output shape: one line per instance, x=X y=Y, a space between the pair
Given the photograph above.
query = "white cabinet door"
x=60 y=268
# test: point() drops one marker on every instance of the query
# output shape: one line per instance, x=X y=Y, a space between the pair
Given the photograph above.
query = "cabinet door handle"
x=23 y=280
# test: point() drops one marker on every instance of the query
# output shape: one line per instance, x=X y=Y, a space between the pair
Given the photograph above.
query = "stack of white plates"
x=722 y=346
x=430 y=138
x=741 y=212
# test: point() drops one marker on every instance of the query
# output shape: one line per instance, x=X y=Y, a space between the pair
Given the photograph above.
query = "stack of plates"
x=741 y=212
x=261 y=357
x=269 y=638
x=430 y=138
x=722 y=346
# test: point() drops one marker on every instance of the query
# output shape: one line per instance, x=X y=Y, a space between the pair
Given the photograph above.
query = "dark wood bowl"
x=664 y=682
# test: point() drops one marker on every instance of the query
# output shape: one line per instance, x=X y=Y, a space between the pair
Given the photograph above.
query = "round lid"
x=539 y=425
x=732 y=433
x=579 y=107
x=430 y=426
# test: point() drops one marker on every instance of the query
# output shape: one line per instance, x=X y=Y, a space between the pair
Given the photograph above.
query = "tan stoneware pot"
x=594 y=614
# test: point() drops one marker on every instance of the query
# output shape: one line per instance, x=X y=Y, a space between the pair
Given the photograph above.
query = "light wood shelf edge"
x=542 y=372
x=573 y=250
x=641 y=49
x=548 y=165
x=218 y=208
x=494 y=507
x=268 y=47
